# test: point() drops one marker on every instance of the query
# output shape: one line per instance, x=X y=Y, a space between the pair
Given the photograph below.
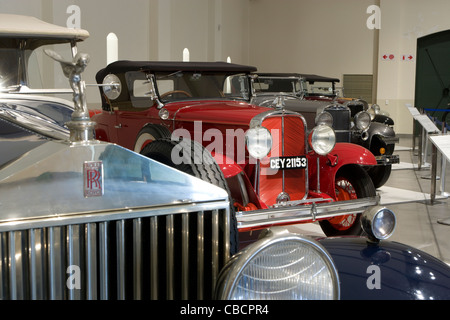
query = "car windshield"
x=318 y=88
x=276 y=85
x=182 y=85
x=9 y=68
x=31 y=68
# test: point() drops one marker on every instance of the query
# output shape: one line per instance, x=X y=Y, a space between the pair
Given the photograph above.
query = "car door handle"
x=118 y=126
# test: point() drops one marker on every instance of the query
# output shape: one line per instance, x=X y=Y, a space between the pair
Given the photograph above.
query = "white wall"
x=326 y=37
x=403 y=22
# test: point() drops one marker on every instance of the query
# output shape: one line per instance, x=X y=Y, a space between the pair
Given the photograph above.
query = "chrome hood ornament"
x=81 y=127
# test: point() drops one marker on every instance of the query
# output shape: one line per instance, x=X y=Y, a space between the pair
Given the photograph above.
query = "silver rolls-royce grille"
x=175 y=256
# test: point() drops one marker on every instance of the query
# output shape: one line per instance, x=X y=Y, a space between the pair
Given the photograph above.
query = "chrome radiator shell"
x=155 y=233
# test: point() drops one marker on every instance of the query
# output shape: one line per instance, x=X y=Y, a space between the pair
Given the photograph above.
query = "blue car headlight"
x=280 y=266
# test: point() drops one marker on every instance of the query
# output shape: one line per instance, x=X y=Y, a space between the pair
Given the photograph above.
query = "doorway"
x=432 y=92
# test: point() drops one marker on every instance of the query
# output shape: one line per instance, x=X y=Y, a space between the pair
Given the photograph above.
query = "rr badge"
x=93 y=178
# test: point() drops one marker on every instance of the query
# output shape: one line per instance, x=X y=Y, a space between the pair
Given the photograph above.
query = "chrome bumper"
x=303 y=213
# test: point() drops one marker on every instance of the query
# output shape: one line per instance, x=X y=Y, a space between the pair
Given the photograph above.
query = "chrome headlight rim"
x=373 y=110
x=362 y=120
x=324 y=118
x=379 y=223
x=322 y=139
x=376 y=108
x=230 y=274
x=258 y=141
x=112 y=87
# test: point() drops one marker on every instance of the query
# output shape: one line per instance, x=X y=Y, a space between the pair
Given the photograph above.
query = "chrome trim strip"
x=13 y=265
x=154 y=279
x=137 y=258
x=200 y=254
x=226 y=236
x=154 y=258
x=3 y=265
x=91 y=260
x=120 y=238
x=56 y=276
x=74 y=255
x=215 y=247
x=296 y=214
x=103 y=260
x=185 y=256
x=170 y=256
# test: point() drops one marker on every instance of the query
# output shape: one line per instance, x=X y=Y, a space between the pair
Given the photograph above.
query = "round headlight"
x=324 y=118
x=259 y=142
x=373 y=111
x=280 y=266
x=362 y=120
x=376 y=108
x=322 y=139
x=378 y=222
x=112 y=86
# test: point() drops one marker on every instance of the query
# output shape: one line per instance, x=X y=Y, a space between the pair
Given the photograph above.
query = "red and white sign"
x=407 y=57
x=388 y=57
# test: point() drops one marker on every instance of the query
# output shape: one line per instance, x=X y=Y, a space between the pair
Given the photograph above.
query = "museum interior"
x=389 y=54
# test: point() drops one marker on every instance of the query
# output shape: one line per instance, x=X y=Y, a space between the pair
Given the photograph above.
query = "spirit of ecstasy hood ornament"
x=81 y=128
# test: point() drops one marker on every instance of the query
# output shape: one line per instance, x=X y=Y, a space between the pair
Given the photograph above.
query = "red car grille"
x=288 y=132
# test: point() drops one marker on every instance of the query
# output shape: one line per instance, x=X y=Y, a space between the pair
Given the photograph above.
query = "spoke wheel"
x=351 y=183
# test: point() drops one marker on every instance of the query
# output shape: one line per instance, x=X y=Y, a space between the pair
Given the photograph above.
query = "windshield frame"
x=295 y=80
x=228 y=86
x=27 y=58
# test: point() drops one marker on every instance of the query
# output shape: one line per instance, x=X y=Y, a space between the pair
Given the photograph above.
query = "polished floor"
x=420 y=223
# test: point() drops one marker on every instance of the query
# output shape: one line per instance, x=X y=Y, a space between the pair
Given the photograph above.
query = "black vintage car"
x=352 y=119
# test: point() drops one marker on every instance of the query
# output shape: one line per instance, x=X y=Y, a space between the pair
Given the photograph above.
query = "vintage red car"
x=271 y=163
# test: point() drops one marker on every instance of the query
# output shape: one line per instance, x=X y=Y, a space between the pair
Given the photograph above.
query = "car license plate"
x=284 y=163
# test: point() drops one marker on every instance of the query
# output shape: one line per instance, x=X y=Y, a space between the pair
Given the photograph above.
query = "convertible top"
x=18 y=26
x=172 y=66
x=36 y=32
x=311 y=78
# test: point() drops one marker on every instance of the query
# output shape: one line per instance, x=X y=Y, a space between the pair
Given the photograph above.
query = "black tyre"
x=198 y=163
x=352 y=182
x=379 y=174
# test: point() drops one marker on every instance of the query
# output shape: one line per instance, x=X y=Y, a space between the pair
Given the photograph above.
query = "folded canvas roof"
x=19 y=26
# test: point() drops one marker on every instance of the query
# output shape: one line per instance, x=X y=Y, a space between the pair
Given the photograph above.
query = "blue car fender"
x=387 y=270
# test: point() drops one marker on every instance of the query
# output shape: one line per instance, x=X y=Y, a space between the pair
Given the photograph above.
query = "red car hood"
x=220 y=112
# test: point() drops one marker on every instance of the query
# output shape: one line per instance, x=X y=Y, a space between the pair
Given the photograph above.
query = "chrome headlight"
x=362 y=120
x=373 y=110
x=378 y=222
x=324 y=118
x=112 y=86
x=280 y=266
x=258 y=141
x=322 y=139
x=376 y=108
